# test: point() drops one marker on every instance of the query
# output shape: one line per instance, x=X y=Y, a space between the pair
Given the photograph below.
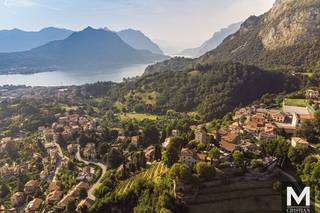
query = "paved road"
x=103 y=168
x=59 y=163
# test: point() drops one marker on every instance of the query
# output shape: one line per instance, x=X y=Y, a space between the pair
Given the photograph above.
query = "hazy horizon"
x=152 y=17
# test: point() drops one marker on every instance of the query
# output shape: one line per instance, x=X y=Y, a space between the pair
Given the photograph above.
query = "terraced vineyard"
x=155 y=170
x=249 y=196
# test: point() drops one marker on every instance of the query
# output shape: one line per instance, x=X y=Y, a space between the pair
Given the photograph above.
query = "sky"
x=179 y=23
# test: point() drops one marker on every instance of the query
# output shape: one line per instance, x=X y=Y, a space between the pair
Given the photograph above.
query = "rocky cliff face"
x=285 y=38
x=290 y=21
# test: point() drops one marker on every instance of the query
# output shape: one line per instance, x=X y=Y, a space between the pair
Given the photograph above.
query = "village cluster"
x=256 y=121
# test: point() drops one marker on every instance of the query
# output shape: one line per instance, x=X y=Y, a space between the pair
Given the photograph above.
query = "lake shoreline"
x=72 y=77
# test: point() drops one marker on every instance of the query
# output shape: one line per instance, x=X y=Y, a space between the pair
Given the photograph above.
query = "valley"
x=119 y=127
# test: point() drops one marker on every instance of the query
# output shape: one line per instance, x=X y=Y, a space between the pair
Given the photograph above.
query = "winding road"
x=59 y=163
x=103 y=168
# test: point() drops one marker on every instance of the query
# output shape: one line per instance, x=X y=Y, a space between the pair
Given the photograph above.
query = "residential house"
x=72 y=148
x=90 y=152
x=259 y=118
x=278 y=116
x=55 y=186
x=295 y=141
x=268 y=132
x=63 y=120
x=17 y=199
x=48 y=134
x=188 y=156
x=149 y=153
x=229 y=141
x=34 y=205
x=31 y=186
x=175 y=132
x=54 y=197
x=236 y=127
x=75 y=129
x=250 y=147
x=202 y=156
x=201 y=135
x=121 y=139
x=166 y=142
x=136 y=140
x=73 y=194
x=87 y=174
x=312 y=94
x=44 y=174
x=295 y=120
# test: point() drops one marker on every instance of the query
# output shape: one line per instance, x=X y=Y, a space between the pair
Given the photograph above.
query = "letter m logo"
x=292 y=194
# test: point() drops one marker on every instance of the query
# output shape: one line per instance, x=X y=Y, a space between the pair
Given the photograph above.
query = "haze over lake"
x=59 y=78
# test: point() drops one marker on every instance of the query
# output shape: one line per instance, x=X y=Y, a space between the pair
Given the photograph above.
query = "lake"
x=68 y=78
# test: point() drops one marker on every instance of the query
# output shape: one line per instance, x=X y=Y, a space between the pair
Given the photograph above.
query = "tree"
x=269 y=146
x=12 y=150
x=157 y=153
x=214 y=153
x=103 y=148
x=181 y=172
x=164 y=210
x=114 y=134
x=308 y=131
x=83 y=194
x=151 y=135
x=238 y=158
x=171 y=156
x=282 y=147
x=114 y=158
x=4 y=190
x=177 y=142
x=205 y=171
x=201 y=147
x=257 y=164
x=297 y=154
x=83 y=209
x=82 y=139
x=71 y=207
x=131 y=130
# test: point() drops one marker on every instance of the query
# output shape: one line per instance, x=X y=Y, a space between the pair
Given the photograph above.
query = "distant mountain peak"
x=213 y=42
x=139 y=40
x=89 y=28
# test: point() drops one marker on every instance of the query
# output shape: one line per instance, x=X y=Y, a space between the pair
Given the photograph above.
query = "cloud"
x=26 y=4
x=19 y=3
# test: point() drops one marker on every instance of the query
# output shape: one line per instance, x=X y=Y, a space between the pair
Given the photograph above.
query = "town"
x=66 y=161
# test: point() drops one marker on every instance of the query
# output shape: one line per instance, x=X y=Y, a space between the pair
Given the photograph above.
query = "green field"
x=146 y=97
x=295 y=102
x=137 y=116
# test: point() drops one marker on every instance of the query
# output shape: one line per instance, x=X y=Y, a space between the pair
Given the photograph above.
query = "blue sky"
x=175 y=21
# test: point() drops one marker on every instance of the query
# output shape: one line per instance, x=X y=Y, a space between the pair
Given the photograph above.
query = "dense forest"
x=210 y=90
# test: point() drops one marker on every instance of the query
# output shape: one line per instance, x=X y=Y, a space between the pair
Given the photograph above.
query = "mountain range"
x=17 y=40
x=213 y=42
x=85 y=50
